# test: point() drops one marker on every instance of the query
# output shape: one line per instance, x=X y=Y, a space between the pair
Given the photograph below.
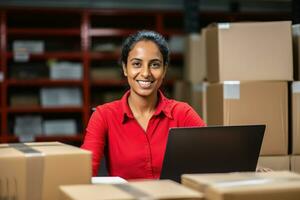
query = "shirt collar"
x=163 y=107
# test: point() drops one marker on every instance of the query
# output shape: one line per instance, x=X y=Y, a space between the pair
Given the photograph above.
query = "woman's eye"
x=155 y=65
x=136 y=64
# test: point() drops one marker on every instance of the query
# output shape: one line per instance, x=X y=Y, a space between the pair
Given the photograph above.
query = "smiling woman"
x=132 y=132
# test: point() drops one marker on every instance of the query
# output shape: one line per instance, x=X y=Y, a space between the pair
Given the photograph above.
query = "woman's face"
x=145 y=70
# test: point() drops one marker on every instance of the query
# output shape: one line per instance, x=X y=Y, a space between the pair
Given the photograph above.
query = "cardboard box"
x=155 y=189
x=249 y=51
x=276 y=163
x=33 y=171
x=182 y=91
x=195 y=58
x=199 y=99
x=242 y=186
x=259 y=102
x=26 y=127
x=295 y=163
x=31 y=46
x=20 y=100
x=295 y=117
x=66 y=70
x=60 y=127
x=296 y=51
x=61 y=96
x=105 y=73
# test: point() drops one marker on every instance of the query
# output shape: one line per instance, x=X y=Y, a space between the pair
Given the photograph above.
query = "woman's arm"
x=95 y=138
x=191 y=117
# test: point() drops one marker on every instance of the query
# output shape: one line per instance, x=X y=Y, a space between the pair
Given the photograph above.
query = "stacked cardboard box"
x=248 y=66
x=295 y=109
x=276 y=163
x=296 y=51
x=155 y=189
x=240 y=186
x=295 y=102
x=194 y=84
x=34 y=171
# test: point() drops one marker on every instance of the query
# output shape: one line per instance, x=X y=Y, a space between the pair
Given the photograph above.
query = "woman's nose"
x=145 y=71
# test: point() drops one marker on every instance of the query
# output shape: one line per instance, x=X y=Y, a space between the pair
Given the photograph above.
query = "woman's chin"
x=145 y=92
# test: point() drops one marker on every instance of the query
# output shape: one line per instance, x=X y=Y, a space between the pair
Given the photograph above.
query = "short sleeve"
x=95 y=137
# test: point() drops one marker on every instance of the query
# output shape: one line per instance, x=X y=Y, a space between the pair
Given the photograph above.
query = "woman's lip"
x=145 y=84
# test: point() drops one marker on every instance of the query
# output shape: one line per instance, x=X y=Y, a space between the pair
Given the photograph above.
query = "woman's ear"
x=124 y=69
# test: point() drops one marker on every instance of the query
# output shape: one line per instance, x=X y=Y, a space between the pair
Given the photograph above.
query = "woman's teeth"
x=144 y=84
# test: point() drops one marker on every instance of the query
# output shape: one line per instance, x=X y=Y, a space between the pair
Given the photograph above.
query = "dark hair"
x=146 y=35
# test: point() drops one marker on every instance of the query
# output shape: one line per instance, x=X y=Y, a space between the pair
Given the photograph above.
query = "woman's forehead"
x=145 y=49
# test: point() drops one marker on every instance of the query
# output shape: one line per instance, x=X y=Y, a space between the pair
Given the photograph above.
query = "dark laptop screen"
x=212 y=150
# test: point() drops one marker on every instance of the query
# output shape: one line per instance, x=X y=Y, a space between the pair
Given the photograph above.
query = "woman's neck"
x=141 y=106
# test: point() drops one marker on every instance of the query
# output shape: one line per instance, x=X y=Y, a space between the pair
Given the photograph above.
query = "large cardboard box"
x=276 y=163
x=249 y=51
x=254 y=102
x=195 y=58
x=295 y=163
x=34 y=171
x=245 y=186
x=295 y=117
x=155 y=189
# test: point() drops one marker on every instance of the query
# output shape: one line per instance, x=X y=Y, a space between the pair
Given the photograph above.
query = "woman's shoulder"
x=176 y=105
x=113 y=106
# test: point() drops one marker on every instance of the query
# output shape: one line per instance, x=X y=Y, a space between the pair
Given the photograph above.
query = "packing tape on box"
x=223 y=25
x=231 y=90
x=254 y=181
x=296 y=29
x=34 y=170
x=200 y=87
x=136 y=193
x=247 y=182
x=296 y=87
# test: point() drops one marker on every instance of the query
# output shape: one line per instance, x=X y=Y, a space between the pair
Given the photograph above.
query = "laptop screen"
x=215 y=149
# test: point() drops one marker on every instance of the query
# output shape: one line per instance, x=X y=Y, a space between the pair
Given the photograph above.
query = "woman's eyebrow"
x=132 y=59
x=156 y=60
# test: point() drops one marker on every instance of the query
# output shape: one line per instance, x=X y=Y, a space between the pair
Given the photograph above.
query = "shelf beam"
x=44 y=32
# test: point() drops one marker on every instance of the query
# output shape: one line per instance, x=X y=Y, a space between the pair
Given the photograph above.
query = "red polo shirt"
x=132 y=152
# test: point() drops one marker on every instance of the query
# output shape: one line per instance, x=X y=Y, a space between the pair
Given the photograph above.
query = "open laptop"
x=212 y=150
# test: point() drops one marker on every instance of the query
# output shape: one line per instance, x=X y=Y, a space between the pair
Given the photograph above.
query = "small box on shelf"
x=66 y=127
x=26 y=127
x=60 y=96
x=65 y=70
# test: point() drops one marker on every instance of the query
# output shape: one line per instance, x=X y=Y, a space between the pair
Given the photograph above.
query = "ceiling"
x=222 y=5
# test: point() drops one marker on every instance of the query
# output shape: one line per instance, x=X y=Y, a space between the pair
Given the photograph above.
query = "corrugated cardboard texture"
x=62 y=164
x=276 y=163
x=295 y=163
x=250 y=51
x=296 y=118
x=246 y=186
x=155 y=189
x=260 y=103
x=195 y=58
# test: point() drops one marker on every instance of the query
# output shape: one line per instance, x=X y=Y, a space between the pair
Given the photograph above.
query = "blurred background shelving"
x=87 y=35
